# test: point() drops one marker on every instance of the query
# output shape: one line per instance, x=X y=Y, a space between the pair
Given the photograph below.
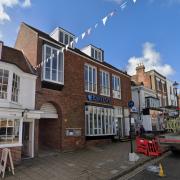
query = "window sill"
x=54 y=82
x=10 y=145
x=116 y=98
x=91 y=92
x=105 y=95
x=51 y=85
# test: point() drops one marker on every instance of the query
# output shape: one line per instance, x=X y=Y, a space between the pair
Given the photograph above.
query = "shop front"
x=17 y=132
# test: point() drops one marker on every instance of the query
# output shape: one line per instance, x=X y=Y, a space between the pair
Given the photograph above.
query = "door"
x=27 y=137
x=120 y=127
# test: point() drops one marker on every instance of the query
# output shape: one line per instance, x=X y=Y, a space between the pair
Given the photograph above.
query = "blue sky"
x=146 y=31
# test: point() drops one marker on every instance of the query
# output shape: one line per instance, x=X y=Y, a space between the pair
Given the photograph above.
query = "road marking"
x=142 y=167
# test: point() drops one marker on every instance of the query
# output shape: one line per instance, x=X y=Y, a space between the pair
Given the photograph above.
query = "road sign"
x=130 y=104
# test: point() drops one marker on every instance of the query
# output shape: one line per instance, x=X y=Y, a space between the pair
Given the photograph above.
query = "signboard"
x=97 y=98
x=130 y=104
x=6 y=153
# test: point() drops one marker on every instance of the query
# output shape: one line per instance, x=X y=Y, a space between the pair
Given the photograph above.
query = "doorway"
x=28 y=140
x=120 y=127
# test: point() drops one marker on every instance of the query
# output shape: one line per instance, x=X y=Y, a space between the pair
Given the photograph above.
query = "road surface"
x=171 y=166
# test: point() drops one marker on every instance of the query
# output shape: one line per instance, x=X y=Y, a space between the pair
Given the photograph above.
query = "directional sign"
x=130 y=104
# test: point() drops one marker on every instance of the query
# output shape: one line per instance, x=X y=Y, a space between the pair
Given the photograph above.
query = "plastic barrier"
x=153 y=148
x=148 y=147
x=141 y=146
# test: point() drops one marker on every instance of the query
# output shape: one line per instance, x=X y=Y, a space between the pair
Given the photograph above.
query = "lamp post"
x=139 y=111
x=130 y=105
x=176 y=88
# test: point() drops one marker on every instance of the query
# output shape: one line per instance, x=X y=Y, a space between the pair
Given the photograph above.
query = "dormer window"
x=63 y=37
x=94 y=52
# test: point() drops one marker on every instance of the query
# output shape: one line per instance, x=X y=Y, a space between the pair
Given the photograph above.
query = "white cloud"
x=4 y=4
x=151 y=60
x=26 y=3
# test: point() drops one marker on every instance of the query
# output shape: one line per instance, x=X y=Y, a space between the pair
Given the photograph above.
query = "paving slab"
x=95 y=163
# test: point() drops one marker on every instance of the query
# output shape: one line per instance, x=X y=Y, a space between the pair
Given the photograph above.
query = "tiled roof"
x=16 y=57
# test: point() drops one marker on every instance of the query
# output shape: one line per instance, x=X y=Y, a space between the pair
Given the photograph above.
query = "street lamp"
x=176 y=84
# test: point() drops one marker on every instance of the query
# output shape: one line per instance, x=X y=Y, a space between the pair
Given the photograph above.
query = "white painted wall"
x=144 y=92
x=87 y=50
x=27 y=88
x=171 y=97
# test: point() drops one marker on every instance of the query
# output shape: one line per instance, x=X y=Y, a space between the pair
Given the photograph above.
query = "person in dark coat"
x=142 y=130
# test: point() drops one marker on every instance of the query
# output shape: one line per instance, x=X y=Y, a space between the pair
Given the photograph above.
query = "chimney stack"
x=140 y=68
x=1 y=46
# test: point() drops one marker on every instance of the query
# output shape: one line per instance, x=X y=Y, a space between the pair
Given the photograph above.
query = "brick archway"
x=49 y=136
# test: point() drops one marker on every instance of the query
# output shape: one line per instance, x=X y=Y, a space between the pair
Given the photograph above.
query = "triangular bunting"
x=104 y=20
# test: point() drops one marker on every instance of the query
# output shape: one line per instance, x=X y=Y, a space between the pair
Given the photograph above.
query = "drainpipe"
x=1 y=45
x=139 y=114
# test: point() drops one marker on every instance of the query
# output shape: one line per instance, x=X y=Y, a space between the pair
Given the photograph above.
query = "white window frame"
x=20 y=133
x=3 y=69
x=69 y=37
x=17 y=88
x=115 y=92
x=106 y=121
x=96 y=51
x=102 y=85
x=44 y=65
x=93 y=68
x=158 y=85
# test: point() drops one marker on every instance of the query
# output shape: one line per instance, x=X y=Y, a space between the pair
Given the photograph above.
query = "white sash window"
x=116 y=87
x=53 y=65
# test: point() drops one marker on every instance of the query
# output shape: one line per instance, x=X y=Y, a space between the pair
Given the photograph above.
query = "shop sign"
x=99 y=99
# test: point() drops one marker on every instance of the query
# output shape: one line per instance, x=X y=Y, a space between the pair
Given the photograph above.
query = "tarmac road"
x=171 y=167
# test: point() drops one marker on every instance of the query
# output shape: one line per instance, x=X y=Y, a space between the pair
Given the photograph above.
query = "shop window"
x=9 y=132
x=4 y=76
x=54 y=65
x=99 y=121
x=15 y=88
x=90 y=78
x=116 y=87
x=104 y=83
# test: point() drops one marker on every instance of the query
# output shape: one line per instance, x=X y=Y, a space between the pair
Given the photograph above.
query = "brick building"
x=83 y=98
x=152 y=80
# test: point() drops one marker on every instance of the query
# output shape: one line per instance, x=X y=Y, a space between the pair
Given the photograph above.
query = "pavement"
x=170 y=165
x=103 y=162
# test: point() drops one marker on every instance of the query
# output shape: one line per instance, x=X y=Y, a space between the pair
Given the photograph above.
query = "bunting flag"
x=123 y=6
x=83 y=35
x=96 y=25
x=112 y=13
x=89 y=30
x=76 y=40
x=71 y=43
x=66 y=47
x=62 y=49
x=105 y=20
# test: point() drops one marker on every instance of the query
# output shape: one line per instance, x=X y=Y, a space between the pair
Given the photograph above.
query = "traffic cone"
x=161 y=172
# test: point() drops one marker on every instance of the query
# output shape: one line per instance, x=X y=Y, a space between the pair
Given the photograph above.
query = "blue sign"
x=96 y=98
x=130 y=104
